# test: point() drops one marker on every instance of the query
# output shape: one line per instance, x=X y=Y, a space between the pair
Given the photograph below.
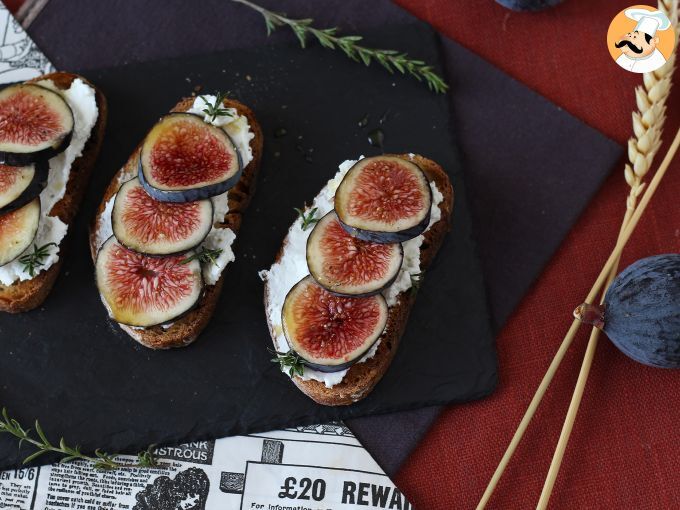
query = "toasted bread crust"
x=361 y=378
x=23 y=296
x=186 y=329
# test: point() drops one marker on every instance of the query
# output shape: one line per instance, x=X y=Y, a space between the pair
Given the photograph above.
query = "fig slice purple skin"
x=384 y=199
x=149 y=226
x=331 y=333
x=143 y=291
x=345 y=265
x=209 y=161
x=20 y=185
x=18 y=229
x=36 y=124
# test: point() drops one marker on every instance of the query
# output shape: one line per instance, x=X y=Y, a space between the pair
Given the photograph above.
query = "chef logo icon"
x=641 y=39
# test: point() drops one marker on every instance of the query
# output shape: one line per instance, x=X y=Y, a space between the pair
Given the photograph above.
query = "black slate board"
x=82 y=377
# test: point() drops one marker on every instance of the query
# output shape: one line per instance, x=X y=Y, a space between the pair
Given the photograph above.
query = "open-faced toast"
x=185 y=329
x=26 y=294
x=362 y=376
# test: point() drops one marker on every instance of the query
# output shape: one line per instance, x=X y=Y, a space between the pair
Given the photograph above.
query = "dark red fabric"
x=625 y=447
x=13 y=5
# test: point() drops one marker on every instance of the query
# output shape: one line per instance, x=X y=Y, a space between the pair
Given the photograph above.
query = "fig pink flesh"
x=150 y=220
x=11 y=224
x=330 y=326
x=138 y=282
x=8 y=176
x=27 y=119
x=386 y=191
x=187 y=154
x=351 y=260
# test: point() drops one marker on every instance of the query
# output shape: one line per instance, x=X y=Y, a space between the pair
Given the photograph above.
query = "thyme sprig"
x=309 y=218
x=216 y=109
x=100 y=460
x=349 y=45
x=205 y=256
x=33 y=260
x=289 y=362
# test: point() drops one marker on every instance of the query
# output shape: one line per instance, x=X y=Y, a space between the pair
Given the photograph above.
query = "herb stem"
x=33 y=260
x=204 y=256
x=215 y=109
x=101 y=460
x=349 y=45
x=308 y=219
x=289 y=362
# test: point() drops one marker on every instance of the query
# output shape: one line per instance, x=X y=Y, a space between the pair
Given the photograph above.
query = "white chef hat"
x=648 y=21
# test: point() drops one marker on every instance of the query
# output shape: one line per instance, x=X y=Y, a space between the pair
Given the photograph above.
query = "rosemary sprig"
x=349 y=45
x=100 y=460
x=215 y=109
x=289 y=362
x=33 y=260
x=307 y=219
x=206 y=256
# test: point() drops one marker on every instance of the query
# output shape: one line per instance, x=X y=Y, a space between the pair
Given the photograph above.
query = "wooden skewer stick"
x=578 y=390
x=592 y=342
x=568 y=339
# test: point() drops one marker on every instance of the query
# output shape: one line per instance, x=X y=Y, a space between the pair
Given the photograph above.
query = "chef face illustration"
x=637 y=44
x=639 y=48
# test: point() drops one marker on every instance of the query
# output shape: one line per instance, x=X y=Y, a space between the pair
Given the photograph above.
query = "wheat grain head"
x=648 y=121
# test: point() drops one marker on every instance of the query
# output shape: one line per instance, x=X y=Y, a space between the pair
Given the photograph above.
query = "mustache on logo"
x=626 y=42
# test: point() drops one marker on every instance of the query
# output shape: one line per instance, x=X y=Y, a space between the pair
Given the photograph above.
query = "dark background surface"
x=488 y=108
x=225 y=384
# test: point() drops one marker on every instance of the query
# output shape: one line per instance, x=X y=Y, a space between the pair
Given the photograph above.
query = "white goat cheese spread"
x=238 y=128
x=81 y=98
x=292 y=267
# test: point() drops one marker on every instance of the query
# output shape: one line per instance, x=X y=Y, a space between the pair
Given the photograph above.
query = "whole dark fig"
x=528 y=5
x=641 y=311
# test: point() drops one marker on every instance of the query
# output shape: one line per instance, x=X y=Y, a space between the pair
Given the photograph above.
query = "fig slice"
x=21 y=184
x=146 y=225
x=17 y=230
x=330 y=332
x=144 y=291
x=184 y=158
x=36 y=124
x=384 y=199
x=346 y=265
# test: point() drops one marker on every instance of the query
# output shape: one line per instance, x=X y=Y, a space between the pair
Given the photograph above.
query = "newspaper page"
x=320 y=467
x=20 y=58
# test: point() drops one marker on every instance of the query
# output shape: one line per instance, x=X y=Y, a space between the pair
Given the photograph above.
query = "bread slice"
x=186 y=329
x=26 y=295
x=361 y=378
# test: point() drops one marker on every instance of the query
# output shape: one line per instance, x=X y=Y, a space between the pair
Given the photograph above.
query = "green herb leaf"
x=100 y=460
x=205 y=256
x=289 y=362
x=41 y=434
x=34 y=456
x=349 y=45
x=216 y=108
x=147 y=458
x=308 y=219
x=33 y=260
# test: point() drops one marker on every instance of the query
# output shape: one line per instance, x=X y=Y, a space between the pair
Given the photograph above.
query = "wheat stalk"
x=648 y=123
